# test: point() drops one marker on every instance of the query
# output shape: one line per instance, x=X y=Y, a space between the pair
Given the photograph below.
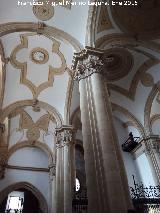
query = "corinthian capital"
x=64 y=136
x=152 y=144
x=87 y=62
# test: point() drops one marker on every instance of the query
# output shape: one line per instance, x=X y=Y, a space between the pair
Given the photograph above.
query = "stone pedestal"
x=107 y=185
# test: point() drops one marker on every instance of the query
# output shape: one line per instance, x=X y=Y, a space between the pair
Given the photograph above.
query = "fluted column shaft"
x=152 y=150
x=106 y=179
x=64 y=169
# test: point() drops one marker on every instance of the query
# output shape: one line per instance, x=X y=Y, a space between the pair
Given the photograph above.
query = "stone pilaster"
x=64 y=169
x=152 y=151
x=52 y=178
x=107 y=186
x=3 y=160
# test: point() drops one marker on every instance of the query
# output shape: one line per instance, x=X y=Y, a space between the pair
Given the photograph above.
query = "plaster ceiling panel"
x=9 y=42
x=105 y=23
x=142 y=20
x=48 y=138
x=155 y=72
x=56 y=95
x=14 y=135
x=29 y=125
x=138 y=59
x=63 y=18
x=136 y=107
x=29 y=157
x=10 y=11
x=120 y=116
x=35 y=115
x=14 y=91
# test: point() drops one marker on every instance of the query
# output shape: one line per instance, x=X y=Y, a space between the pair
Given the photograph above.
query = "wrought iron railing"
x=80 y=202
x=130 y=143
x=145 y=198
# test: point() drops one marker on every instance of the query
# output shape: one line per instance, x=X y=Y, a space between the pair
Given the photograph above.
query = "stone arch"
x=12 y=107
x=148 y=106
x=30 y=187
x=37 y=144
x=133 y=120
x=42 y=28
x=153 y=119
x=74 y=120
x=45 y=30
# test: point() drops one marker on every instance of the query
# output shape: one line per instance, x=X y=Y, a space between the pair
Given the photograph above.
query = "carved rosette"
x=87 y=62
x=64 y=136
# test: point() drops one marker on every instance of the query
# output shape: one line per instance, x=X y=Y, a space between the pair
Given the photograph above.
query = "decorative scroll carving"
x=36 y=90
x=64 y=136
x=55 y=116
x=87 y=62
x=33 y=132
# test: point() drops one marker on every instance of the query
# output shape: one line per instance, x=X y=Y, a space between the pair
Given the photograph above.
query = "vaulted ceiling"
x=37 y=46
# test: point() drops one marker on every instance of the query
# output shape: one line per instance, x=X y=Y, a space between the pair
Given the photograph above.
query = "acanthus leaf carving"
x=86 y=63
x=64 y=136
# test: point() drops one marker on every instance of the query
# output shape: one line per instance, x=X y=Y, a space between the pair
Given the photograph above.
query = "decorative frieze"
x=64 y=136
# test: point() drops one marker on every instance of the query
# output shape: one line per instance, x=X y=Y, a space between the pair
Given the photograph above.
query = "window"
x=15 y=201
x=78 y=185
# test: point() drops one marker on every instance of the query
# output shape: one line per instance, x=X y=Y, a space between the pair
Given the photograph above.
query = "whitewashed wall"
x=129 y=162
x=28 y=157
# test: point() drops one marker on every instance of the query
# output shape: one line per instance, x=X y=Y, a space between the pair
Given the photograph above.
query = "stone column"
x=152 y=151
x=107 y=186
x=3 y=151
x=65 y=164
x=52 y=177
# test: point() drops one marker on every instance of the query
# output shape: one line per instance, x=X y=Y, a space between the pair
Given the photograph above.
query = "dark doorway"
x=30 y=205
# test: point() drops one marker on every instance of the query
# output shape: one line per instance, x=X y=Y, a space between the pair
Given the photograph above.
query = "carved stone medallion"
x=43 y=12
x=118 y=63
x=39 y=56
x=33 y=134
x=147 y=80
